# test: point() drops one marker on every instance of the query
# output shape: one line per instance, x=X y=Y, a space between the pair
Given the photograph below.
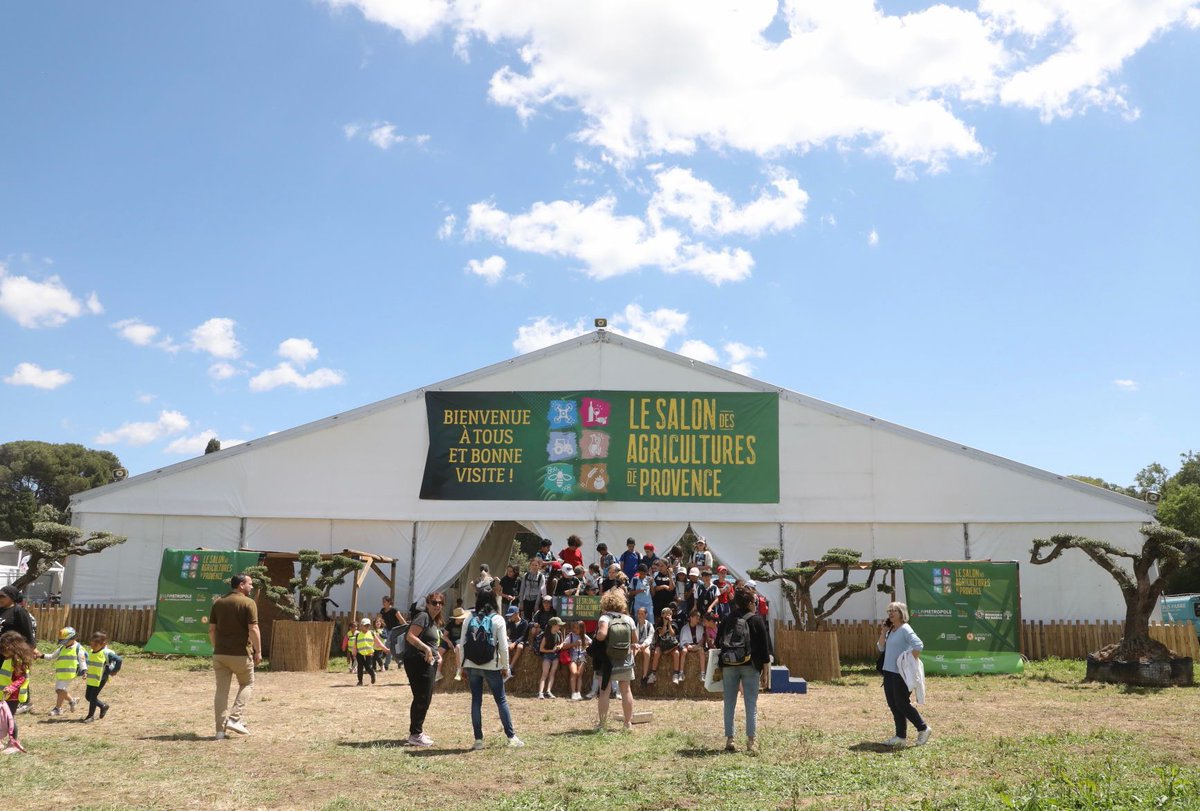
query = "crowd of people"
x=649 y=607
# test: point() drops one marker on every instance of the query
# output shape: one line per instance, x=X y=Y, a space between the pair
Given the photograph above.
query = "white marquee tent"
x=352 y=481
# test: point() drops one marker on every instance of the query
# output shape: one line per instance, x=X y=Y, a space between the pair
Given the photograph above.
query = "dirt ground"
x=316 y=736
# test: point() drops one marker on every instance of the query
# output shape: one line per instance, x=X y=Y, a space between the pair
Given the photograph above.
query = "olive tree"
x=798 y=582
x=53 y=543
x=304 y=598
x=1165 y=550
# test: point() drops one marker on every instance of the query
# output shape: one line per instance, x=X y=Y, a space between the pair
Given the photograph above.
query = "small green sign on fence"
x=189 y=581
x=968 y=614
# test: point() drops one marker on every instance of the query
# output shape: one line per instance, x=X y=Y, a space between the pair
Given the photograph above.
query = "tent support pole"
x=781 y=563
x=412 y=566
x=595 y=533
x=242 y=534
x=966 y=542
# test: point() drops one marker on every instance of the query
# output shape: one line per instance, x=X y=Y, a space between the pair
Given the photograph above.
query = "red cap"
x=650 y=546
x=722 y=569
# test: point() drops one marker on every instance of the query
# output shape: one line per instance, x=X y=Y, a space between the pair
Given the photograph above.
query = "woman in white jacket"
x=897 y=639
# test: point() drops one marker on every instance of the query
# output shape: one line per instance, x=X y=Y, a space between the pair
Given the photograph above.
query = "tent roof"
x=665 y=356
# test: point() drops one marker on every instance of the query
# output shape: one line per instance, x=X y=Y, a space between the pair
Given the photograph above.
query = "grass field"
x=1042 y=740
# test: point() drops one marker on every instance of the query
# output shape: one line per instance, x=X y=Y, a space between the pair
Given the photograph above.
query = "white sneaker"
x=71 y=703
x=438 y=677
x=514 y=741
x=895 y=742
x=54 y=713
x=478 y=745
x=576 y=697
x=421 y=740
x=541 y=694
x=23 y=708
x=220 y=736
x=923 y=735
x=236 y=726
x=550 y=694
x=652 y=678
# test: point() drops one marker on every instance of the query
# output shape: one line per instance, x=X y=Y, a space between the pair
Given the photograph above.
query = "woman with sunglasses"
x=421 y=660
x=901 y=649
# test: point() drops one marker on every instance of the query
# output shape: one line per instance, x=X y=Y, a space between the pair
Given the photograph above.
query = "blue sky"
x=977 y=220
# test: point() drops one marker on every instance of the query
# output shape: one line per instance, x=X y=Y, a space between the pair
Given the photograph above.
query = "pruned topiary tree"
x=798 y=582
x=53 y=543
x=300 y=599
x=1165 y=548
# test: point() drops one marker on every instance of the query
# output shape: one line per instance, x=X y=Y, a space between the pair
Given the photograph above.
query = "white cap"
x=752 y=584
x=568 y=570
x=694 y=571
x=364 y=621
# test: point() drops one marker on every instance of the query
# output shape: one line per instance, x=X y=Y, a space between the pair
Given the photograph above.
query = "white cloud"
x=608 y=244
x=382 y=134
x=146 y=399
x=299 y=351
x=414 y=18
x=34 y=304
x=740 y=355
x=546 y=331
x=873 y=238
x=829 y=220
x=216 y=337
x=285 y=374
x=681 y=195
x=1126 y=385
x=143 y=433
x=490 y=270
x=221 y=371
x=139 y=333
x=30 y=374
x=655 y=327
x=447 y=229
x=93 y=304
x=195 y=445
x=672 y=76
x=699 y=351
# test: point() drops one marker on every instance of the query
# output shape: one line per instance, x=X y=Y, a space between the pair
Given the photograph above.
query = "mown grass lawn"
x=1041 y=740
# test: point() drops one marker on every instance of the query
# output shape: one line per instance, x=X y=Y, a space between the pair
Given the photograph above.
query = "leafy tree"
x=53 y=543
x=37 y=474
x=799 y=581
x=1165 y=548
x=301 y=599
x=213 y=446
x=1098 y=482
x=1152 y=477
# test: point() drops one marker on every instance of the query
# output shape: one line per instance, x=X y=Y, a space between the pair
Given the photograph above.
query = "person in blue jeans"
x=742 y=661
x=493 y=670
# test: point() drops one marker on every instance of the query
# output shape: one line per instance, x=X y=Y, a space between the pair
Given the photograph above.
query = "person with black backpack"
x=483 y=652
x=745 y=648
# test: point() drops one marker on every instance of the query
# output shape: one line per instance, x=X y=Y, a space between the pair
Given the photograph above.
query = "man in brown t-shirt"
x=237 y=648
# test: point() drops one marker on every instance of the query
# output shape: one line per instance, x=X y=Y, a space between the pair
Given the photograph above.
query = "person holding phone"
x=897 y=640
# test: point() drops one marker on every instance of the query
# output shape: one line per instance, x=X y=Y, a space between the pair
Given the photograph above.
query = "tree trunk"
x=1136 y=645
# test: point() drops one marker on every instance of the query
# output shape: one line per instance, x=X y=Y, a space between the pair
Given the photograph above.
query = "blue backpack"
x=480 y=644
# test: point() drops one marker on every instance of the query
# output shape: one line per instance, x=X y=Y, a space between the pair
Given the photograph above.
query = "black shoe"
x=103 y=710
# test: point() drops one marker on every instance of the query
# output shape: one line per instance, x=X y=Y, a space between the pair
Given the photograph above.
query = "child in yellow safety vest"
x=363 y=643
x=70 y=662
x=16 y=657
x=102 y=662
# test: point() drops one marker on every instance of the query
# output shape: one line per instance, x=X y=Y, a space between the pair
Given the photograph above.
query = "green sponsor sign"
x=968 y=614
x=582 y=607
x=189 y=581
x=603 y=445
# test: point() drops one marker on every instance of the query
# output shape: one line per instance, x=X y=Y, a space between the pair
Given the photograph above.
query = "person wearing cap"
x=629 y=559
x=648 y=556
x=544 y=552
x=541 y=618
x=14 y=617
x=701 y=558
x=517 y=630
x=448 y=642
x=724 y=593
x=568 y=584
x=362 y=642
x=70 y=661
x=549 y=644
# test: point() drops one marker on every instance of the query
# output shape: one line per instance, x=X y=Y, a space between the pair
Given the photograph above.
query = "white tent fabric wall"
x=443 y=548
x=128 y=574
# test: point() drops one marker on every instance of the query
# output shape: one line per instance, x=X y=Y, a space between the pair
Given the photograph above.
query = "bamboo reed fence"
x=127 y=624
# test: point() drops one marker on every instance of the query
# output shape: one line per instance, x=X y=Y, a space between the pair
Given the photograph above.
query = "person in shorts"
x=614 y=607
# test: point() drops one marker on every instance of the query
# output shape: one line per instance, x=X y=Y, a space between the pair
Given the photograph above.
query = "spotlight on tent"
x=119 y=474
x=1153 y=496
x=601 y=323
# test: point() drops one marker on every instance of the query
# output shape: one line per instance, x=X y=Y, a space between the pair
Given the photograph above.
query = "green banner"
x=582 y=607
x=189 y=581
x=603 y=445
x=968 y=614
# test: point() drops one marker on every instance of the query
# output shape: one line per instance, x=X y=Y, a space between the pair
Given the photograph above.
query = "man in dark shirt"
x=662 y=588
x=237 y=648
